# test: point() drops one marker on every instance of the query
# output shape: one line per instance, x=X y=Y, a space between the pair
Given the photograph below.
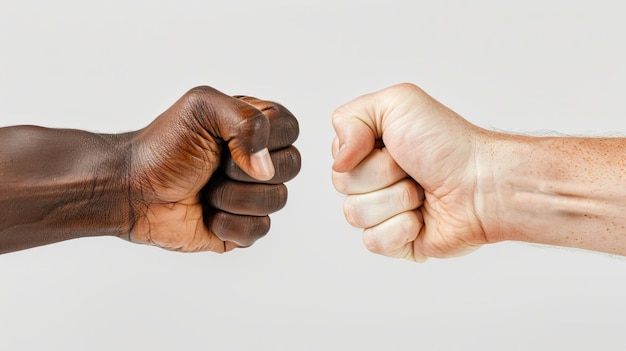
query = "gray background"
x=113 y=66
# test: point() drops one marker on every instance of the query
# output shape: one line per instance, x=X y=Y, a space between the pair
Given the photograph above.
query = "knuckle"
x=256 y=123
x=284 y=127
x=259 y=228
x=252 y=230
x=287 y=163
x=395 y=234
x=249 y=99
x=199 y=94
x=407 y=196
x=404 y=91
x=242 y=230
x=338 y=111
x=276 y=198
x=371 y=242
x=201 y=89
x=408 y=88
x=408 y=227
x=351 y=212
x=340 y=182
x=261 y=105
x=198 y=105
x=341 y=111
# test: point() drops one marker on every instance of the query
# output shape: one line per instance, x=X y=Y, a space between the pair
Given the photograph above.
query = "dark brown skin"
x=187 y=182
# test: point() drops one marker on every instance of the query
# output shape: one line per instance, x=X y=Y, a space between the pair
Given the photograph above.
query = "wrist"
x=96 y=189
x=561 y=191
x=115 y=198
x=503 y=171
x=62 y=184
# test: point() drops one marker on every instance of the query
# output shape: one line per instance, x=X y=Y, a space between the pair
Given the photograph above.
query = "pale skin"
x=439 y=186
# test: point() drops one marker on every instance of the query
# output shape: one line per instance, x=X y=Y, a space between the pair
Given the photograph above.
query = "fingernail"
x=261 y=162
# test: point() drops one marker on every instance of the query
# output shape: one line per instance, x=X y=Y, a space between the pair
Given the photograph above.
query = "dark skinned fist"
x=207 y=172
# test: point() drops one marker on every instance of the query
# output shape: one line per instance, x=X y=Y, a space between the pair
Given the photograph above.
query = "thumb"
x=244 y=128
x=248 y=143
x=355 y=126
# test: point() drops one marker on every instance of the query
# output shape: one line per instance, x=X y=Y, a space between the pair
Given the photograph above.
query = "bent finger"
x=245 y=198
x=284 y=127
x=239 y=229
x=378 y=170
x=370 y=209
x=394 y=237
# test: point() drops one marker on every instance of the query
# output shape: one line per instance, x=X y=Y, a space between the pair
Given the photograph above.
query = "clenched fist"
x=207 y=172
x=407 y=165
x=203 y=176
x=424 y=182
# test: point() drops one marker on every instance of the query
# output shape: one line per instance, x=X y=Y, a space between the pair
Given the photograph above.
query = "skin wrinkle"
x=199 y=105
x=281 y=134
x=257 y=125
x=477 y=184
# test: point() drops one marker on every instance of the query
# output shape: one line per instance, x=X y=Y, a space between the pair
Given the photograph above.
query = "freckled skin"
x=566 y=191
x=154 y=186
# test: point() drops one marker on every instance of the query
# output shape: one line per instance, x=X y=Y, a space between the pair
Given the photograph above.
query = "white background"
x=111 y=66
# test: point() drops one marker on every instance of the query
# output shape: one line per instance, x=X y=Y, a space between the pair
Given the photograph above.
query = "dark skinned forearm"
x=59 y=184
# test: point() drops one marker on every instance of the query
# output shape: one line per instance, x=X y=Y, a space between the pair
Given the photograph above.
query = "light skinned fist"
x=408 y=166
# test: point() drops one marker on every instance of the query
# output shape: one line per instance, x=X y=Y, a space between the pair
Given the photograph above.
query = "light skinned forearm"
x=59 y=184
x=563 y=191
